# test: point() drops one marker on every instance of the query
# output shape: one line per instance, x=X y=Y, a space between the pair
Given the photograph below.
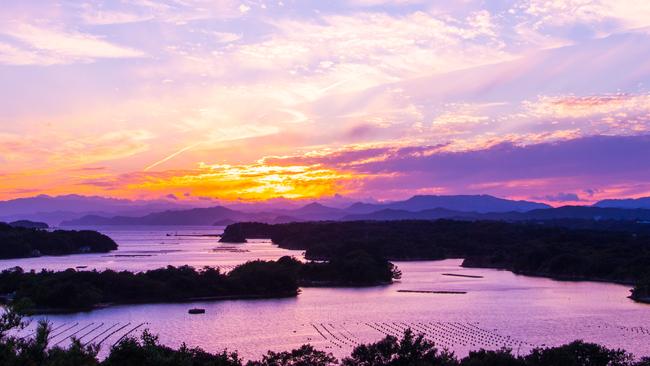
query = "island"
x=22 y=242
x=530 y=248
x=78 y=290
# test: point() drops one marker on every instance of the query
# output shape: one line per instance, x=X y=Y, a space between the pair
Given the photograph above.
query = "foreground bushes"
x=410 y=350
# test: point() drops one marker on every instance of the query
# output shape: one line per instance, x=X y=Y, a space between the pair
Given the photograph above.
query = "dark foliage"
x=527 y=248
x=236 y=233
x=306 y=355
x=641 y=291
x=355 y=268
x=579 y=353
x=77 y=290
x=146 y=351
x=35 y=351
x=20 y=242
x=411 y=350
x=71 y=290
x=502 y=357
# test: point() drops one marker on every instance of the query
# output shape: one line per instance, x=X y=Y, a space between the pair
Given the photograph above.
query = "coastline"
x=44 y=311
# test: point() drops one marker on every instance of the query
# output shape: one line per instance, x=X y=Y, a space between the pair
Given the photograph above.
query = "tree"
x=306 y=355
x=502 y=357
x=146 y=351
x=579 y=353
x=411 y=350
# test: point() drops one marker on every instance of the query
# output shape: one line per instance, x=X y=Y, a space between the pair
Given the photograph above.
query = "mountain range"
x=76 y=210
x=54 y=209
x=464 y=207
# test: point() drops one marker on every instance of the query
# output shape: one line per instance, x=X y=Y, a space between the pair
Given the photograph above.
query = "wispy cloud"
x=58 y=151
x=386 y=97
x=51 y=45
x=625 y=14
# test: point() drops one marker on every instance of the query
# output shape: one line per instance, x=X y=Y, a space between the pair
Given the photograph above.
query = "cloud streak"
x=48 y=45
x=384 y=98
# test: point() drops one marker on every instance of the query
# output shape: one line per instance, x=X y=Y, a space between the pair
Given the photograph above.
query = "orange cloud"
x=231 y=182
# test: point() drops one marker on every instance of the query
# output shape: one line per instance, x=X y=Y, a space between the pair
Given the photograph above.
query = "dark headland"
x=565 y=251
x=22 y=242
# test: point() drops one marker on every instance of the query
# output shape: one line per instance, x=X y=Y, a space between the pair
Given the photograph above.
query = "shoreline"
x=45 y=311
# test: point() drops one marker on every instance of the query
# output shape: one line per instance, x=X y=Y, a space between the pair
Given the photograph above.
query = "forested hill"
x=73 y=290
x=530 y=248
x=20 y=242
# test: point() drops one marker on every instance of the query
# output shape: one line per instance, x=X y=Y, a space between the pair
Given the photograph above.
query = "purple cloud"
x=602 y=162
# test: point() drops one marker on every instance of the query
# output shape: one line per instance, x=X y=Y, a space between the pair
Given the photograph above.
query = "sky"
x=383 y=99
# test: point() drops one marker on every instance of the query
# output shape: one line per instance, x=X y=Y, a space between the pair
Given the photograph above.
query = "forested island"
x=527 y=248
x=23 y=242
x=410 y=349
x=72 y=290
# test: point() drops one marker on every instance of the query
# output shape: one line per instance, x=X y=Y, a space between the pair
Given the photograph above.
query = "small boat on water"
x=196 y=311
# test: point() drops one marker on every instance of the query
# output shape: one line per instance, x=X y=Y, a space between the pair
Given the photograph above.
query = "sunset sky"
x=251 y=100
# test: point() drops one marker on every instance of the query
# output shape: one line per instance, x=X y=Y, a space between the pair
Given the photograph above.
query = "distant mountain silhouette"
x=390 y=214
x=643 y=202
x=565 y=212
x=314 y=211
x=195 y=216
x=417 y=207
x=53 y=210
x=465 y=203
x=29 y=224
x=221 y=216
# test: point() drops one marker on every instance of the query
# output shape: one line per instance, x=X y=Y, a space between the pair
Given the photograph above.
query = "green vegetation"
x=71 y=290
x=80 y=290
x=410 y=350
x=527 y=248
x=147 y=351
x=239 y=232
x=21 y=242
x=356 y=268
x=306 y=355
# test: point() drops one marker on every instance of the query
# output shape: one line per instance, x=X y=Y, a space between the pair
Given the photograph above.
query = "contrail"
x=172 y=156
x=327 y=88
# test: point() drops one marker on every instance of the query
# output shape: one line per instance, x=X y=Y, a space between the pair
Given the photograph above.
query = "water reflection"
x=499 y=308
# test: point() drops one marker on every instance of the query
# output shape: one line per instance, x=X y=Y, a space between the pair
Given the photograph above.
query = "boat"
x=196 y=311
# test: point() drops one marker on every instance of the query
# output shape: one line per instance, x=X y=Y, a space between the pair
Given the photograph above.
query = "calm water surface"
x=499 y=309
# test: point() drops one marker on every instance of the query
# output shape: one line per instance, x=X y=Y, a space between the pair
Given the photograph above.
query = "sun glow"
x=246 y=182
